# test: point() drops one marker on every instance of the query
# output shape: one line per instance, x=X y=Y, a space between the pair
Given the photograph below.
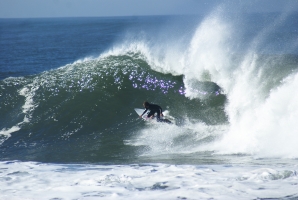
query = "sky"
x=94 y=8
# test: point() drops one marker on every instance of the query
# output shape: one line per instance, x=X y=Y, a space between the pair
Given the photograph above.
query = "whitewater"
x=229 y=80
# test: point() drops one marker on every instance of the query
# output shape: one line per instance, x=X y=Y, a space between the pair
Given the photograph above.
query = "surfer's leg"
x=151 y=113
x=158 y=116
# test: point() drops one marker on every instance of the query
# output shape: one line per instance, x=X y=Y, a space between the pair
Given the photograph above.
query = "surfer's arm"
x=143 y=113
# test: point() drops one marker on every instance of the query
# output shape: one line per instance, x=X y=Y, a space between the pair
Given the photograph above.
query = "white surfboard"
x=140 y=111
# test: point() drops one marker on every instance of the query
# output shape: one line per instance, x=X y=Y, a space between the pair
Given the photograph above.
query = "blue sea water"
x=69 y=86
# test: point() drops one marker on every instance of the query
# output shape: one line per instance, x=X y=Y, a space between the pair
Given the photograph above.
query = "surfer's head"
x=146 y=104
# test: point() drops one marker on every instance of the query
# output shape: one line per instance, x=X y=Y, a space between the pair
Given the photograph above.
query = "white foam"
x=29 y=180
x=162 y=138
x=208 y=54
x=261 y=122
x=27 y=108
x=6 y=133
x=269 y=129
x=28 y=92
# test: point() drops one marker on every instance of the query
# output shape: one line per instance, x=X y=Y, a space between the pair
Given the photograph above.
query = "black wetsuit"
x=153 y=109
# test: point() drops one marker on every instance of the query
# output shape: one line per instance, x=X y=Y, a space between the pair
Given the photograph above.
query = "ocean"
x=69 y=86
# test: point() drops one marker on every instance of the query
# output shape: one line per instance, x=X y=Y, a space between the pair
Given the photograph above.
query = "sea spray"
x=252 y=121
x=247 y=78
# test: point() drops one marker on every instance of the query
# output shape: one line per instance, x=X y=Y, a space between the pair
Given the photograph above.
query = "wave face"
x=229 y=85
x=86 y=107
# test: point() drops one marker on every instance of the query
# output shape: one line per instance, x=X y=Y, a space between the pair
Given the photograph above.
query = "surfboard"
x=140 y=111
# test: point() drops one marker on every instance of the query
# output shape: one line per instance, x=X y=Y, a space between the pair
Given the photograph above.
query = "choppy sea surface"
x=69 y=86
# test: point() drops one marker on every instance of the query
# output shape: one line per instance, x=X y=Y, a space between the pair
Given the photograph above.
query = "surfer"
x=154 y=109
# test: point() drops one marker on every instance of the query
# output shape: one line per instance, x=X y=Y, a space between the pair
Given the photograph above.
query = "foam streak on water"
x=30 y=180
